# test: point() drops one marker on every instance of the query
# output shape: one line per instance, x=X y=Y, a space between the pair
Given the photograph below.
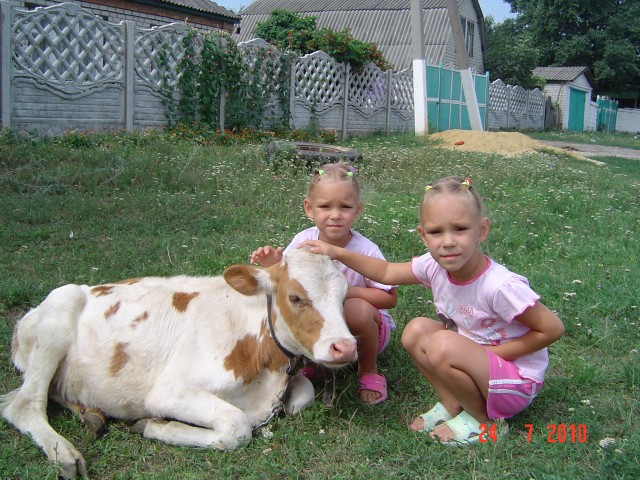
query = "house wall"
x=143 y=16
x=468 y=11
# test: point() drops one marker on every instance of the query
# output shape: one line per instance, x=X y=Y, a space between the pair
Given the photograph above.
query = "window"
x=468 y=32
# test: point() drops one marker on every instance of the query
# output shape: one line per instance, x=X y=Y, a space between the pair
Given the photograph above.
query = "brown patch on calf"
x=102 y=290
x=181 y=300
x=112 y=310
x=140 y=318
x=118 y=360
x=128 y=281
x=308 y=324
x=250 y=356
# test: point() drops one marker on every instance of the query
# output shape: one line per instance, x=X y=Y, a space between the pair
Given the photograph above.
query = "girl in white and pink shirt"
x=486 y=354
x=333 y=202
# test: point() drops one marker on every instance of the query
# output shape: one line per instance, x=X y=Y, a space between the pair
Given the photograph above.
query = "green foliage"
x=287 y=30
x=291 y=31
x=213 y=67
x=510 y=54
x=602 y=35
x=150 y=203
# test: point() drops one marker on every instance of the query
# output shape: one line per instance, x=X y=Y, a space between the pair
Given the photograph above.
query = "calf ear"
x=244 y=279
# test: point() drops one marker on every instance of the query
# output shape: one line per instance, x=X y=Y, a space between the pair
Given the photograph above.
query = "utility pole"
x=419 y=69
x=464 y=66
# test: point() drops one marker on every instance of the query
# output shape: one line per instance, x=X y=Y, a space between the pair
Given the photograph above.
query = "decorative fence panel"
x=514 y=107
x=64 y=68
x=446 y=104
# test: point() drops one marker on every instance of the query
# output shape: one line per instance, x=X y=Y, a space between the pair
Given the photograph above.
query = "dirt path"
x=592 y=150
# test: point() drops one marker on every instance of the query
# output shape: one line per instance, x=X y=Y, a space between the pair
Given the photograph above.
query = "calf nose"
x=343 y=351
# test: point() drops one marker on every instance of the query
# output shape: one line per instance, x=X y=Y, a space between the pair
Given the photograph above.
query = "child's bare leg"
x=363 y=320
x=461 y=365
x=416 y=338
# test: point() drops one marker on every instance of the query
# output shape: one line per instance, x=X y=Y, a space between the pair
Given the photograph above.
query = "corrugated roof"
x=562 y=74
x=204 y=6
x=383 y=22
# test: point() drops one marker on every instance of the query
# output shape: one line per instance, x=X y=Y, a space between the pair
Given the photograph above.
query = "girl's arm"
x=376 y=269
x=375 y=296
x=545 y=327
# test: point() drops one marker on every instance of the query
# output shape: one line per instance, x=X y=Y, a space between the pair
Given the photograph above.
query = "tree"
x=603 y=35
x=289 y=31
x=510 y=54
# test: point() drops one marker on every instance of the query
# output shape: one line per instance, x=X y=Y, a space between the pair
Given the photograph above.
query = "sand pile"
x=508 y=144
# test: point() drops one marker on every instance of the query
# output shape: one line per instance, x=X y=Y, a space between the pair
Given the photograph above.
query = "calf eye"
x=295 y=299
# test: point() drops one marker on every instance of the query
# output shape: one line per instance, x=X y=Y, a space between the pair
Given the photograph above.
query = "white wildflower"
x=605 y=442
x=267 y=433
x=586 y=401
x=577 y=281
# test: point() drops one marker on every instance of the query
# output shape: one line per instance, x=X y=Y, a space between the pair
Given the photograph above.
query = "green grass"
x=140 y=205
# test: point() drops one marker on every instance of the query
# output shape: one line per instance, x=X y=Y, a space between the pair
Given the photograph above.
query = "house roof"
x=204 y=6
x=386 y=23
x=563 y=74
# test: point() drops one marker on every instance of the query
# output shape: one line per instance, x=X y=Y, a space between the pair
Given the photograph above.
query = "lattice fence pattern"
x=264 y=66
x=319 y=81
x=158 y=53
x=513 y=106
x=368 y=90
x=67 y=47
x=402 y=93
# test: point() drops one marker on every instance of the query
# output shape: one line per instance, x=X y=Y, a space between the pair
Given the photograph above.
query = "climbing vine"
x=213 y=76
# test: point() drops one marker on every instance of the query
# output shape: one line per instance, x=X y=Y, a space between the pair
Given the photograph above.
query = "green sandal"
x=434 y=417
x=467 y=430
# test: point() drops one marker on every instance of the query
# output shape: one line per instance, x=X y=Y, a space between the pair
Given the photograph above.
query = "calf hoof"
x=139 y=426
x=94 y=421
x=69 y=471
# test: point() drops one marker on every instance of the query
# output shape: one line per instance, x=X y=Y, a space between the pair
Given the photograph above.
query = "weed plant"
x=84 y=211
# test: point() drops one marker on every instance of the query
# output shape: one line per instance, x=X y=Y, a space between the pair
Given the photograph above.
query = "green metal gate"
x=607 y=114
x=446 y=103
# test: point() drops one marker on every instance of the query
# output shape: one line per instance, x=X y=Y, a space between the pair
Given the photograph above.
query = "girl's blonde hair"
x=451 y=185
x=334 y=172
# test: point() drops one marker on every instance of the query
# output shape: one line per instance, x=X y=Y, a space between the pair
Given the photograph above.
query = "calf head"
x=308 y=292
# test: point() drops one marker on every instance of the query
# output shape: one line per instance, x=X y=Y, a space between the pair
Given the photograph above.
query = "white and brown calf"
x=193 y=357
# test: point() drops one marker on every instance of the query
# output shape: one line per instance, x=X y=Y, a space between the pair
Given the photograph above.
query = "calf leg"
x=217 y=424
x=301 y=395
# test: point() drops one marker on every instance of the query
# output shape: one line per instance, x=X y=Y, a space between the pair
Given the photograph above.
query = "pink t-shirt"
x=360 y=244
x=484 y=308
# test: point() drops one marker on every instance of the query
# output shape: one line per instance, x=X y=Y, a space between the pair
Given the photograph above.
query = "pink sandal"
x=375 y=383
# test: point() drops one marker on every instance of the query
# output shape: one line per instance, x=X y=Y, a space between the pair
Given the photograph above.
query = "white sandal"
x=434 y=417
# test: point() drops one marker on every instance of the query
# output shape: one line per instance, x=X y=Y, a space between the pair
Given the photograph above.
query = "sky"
x=496 y=8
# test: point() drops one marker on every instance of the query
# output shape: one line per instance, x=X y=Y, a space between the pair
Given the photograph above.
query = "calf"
x=199 y=361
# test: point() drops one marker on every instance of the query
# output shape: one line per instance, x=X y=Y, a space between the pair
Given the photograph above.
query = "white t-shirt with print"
x=484 y=308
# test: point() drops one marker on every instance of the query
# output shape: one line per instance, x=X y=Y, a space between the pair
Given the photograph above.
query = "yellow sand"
x=508 y=144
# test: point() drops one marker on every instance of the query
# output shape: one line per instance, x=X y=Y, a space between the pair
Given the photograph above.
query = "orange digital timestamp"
x=556 y=433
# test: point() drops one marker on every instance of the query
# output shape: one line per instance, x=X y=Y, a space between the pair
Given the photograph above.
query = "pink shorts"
x=384 y=335
x=509 y=393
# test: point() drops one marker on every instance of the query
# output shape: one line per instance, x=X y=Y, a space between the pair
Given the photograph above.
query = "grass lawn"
x=82 y=211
